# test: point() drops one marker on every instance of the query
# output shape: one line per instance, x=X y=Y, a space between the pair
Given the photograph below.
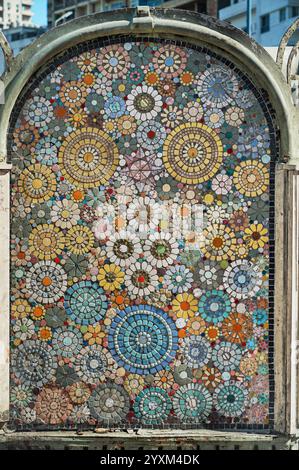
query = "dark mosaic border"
x=262 y=97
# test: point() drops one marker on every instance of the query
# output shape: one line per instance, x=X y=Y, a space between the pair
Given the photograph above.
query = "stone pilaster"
x=4 y=291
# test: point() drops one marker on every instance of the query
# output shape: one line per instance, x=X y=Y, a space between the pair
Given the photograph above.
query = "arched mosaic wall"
x=152 y=328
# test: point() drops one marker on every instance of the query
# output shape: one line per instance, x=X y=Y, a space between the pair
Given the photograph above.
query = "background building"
x=270 y=18
x=21 y=36
x=18 y=38
x=17 y=25
x=14 y=13
x=58 y=8
x=209 y=7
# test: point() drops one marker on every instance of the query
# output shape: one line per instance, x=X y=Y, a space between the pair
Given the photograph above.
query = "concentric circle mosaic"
x=152 y=405
x=192 y=402
x=143 y=339
x=85 y=302
x=89 y=157
x=192 y=153
x=110 y=404
x=142 y=241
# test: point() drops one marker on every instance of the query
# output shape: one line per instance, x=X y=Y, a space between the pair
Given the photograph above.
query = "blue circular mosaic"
x=214 y=306
x=85 y=302
x=242 y=279
x=260 y=316
x=115 y=107
x=152 y=405
x=192 y=402
x=227 y=356
x=143 y=339
x=33 y=363
x=67 y=342
x=47 y=150
x=230 y=399
x=197 y=351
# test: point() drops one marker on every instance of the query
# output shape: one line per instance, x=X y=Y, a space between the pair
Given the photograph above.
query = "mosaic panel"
x=120 y=314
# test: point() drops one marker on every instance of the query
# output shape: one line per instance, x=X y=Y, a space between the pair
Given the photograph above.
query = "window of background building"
x=224 y=3
x=294 y=11
x=265 y=23
x=282 y=14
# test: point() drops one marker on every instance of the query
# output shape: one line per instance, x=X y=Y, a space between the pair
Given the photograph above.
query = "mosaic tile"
x=135 y=328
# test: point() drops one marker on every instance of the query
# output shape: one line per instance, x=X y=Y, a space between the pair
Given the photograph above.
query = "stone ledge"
x=146 y=440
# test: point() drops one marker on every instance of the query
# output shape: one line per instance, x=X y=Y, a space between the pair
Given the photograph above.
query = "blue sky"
x=40 y=12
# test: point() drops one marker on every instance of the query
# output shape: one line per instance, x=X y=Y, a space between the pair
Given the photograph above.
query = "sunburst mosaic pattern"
x=118 y=329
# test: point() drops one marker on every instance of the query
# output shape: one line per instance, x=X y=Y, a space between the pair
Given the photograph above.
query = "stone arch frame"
x=248 y=56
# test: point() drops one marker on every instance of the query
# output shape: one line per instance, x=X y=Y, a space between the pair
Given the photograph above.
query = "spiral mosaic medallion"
x=85 y=302
x=109 y=403
x=37 y=183
x=88 y=156
x=192 y=402
x=251 y=178
x=46 y=282
x=93 y=364
x=33 y=363
x=152 y=405
x=192 y=153
x=143 y=339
